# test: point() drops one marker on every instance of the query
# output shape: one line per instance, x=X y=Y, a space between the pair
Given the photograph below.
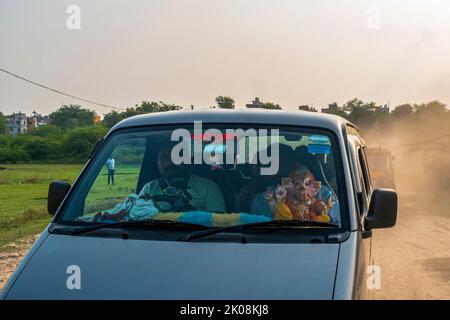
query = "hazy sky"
x=188 y=52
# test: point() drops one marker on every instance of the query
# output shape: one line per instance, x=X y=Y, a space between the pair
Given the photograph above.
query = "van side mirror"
x=57 y=191
x=382 y=209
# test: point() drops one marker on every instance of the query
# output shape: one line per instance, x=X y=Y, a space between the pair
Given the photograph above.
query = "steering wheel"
x=177 y=203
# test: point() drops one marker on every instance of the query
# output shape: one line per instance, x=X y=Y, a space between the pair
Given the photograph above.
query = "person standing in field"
x=111 y=165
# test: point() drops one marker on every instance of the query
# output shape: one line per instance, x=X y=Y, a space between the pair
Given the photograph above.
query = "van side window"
x=362 y=196
x=365 y=170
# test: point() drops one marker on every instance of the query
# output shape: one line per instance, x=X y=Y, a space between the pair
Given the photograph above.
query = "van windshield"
x=216 y=176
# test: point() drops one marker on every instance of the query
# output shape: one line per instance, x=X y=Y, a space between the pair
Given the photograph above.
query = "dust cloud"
x=420 y=146
x=414 y=256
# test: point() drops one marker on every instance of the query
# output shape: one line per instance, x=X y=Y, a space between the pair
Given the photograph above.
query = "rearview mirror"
x=382 y=209
x=57 y=191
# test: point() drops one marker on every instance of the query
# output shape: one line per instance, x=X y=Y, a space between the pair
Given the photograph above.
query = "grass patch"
x=4 y=179
x=32 y=179
x=24 y=188
x=23 y=198
x=31 y=221
x=24 y=230
x=28 y=215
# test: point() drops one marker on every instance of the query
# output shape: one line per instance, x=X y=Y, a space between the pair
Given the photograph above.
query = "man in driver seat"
x=201 y=193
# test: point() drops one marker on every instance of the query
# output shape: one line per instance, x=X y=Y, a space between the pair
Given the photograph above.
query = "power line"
x=59 y=92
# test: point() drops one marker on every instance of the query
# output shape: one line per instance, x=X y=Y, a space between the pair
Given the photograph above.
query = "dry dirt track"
x=10 y=258
x=414 y=257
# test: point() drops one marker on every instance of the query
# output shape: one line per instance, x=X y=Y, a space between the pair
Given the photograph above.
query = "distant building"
x=325 y=110
x=43 y=120
x=17 y=124
x=32 y=122
x=306 y=107
x=332 y=109
x=40 y=119
x=20 y=123
x=255 y=103
x=383 y=108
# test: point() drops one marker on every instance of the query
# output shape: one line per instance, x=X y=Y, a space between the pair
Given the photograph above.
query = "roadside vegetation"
x=72 y=131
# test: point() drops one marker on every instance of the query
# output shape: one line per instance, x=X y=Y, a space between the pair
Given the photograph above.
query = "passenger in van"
x=258 y=183
x=203 y=194
x=289 y=162
x=323 y=171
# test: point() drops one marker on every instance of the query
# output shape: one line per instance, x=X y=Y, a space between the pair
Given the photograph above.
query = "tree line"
x=72 y=131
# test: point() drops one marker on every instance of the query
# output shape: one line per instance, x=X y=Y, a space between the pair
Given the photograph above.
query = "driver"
x=203 y=194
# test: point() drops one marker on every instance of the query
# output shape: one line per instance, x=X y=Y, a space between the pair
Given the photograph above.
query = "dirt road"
x=11 y=255
x=414 y=257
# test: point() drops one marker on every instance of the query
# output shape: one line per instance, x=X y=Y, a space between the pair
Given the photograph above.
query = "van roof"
x=298 y=118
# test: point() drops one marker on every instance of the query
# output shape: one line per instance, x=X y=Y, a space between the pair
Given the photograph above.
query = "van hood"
x=111 y=268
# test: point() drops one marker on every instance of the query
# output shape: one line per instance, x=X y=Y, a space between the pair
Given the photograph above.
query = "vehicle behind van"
x=381 y=167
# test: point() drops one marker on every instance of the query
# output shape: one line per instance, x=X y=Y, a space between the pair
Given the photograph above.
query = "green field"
x=23 y=195
x=23 y=198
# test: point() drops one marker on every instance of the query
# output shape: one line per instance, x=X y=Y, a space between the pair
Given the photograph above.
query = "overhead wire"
x=60 y=92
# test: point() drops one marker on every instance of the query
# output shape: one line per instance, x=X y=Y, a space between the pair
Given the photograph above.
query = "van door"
x=364 y=200
x=361 y=185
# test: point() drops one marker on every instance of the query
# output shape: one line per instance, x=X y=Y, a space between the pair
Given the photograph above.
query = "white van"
x=213 y=205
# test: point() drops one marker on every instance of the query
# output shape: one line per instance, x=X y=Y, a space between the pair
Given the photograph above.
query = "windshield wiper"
x=78 y=230
x=266 y=224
